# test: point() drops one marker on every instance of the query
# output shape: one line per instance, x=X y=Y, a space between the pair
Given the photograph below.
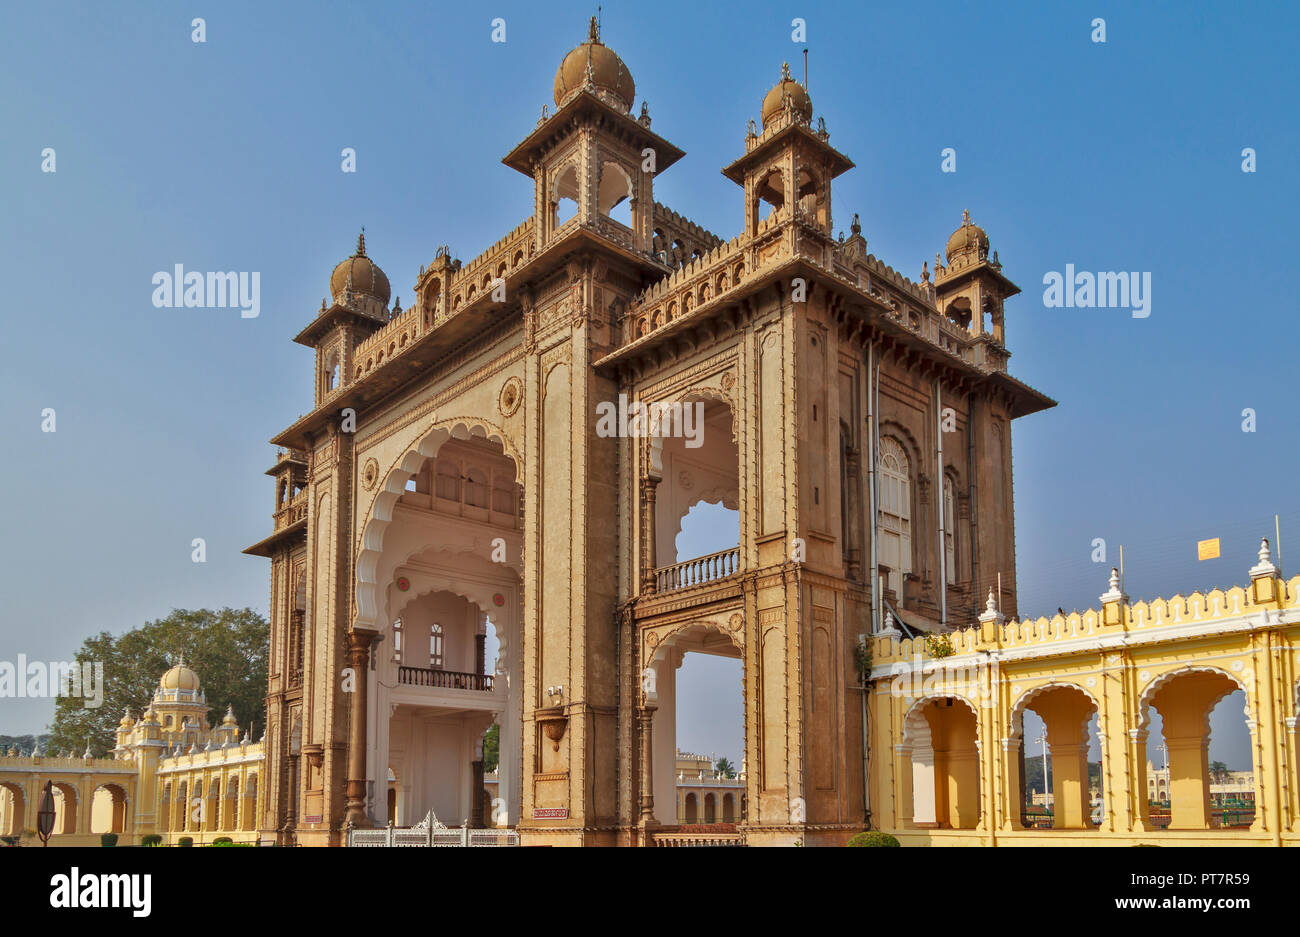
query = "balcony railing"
x=698 y=571
x=443 y=679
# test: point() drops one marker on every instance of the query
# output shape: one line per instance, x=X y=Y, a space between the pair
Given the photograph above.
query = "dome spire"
x=593 y=30
x=361 y=243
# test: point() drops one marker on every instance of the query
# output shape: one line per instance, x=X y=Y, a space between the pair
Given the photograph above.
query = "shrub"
x=939 y=646
x=108 y=839
x=186 y=841
x=223 y=841
x=152 y=839
x=874 y=838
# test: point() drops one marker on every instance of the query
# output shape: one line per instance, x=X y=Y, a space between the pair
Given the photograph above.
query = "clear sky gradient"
x=226 y=156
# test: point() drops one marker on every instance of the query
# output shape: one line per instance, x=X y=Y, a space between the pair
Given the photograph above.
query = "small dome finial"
x=965 y=217
x=361 y=242
x=1114 y=579
x=992 y=604
x=593 y=30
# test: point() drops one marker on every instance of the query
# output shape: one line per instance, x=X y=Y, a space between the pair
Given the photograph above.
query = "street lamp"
x=1042 y=740
x=45 y=816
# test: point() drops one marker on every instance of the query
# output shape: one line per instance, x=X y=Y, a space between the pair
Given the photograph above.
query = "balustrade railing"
x=698 y=571
x=443 y=679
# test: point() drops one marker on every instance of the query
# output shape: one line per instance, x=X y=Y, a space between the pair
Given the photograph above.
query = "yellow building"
x=950 y=724
x=170 y=773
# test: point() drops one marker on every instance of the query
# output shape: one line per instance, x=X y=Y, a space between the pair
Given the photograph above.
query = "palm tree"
x=725 y=768
x=1219 y=772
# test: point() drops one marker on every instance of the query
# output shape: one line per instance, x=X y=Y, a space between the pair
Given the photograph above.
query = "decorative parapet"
x=214 y=757
x=467 y=284
x=663 y=216
x=698 y=282
x=46 y=763
x=1139 y=622
x=502 y=258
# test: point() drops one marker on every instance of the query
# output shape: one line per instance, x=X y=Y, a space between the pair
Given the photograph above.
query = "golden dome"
x=610 y=79
x=179 y=677
x=229 y=719
x=366 y=277
x=127 y=722
x=968 y=241
x=787 y=89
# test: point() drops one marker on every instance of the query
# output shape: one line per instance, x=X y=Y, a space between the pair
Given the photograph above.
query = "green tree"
x=725 y=768
x=226 y=648
x=491 y=749
x=1218 y=772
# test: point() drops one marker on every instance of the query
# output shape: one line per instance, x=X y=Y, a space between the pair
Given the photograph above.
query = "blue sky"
x=226 y=156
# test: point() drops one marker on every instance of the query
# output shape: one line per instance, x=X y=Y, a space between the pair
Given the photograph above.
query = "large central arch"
x=409 y=551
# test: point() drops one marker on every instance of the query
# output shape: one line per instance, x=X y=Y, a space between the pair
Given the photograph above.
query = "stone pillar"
x=648 y=532
x=1013 y=796
x=358 y=659
x=480 y=653
x=645 y=724
x=1070 y=786
x=1189 y=795
x=476 y=790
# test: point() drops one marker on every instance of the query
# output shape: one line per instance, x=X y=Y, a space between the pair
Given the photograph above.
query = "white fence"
x=432 y=836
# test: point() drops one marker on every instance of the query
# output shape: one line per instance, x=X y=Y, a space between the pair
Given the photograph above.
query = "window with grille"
x=895 y=512
x=435 y=646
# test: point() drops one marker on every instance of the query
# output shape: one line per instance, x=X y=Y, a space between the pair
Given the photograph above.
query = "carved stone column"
x=291 y=814
x=480 y=653
x=358 y=660
x=645 y=724
x=648 y=559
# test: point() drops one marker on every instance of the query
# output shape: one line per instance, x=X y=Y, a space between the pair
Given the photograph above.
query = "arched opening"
x=564 y=199
x=66 y=804
x=1196 y=746
x=698 y=692
x=181 y=808
x=1058 y=768
x=13 y=809
x=442 y=569
x=614 y=194
x=248 y=811
x=697 y=496
x=939 y=739
x=771 y=189
x=230 y=805
x=108 y=809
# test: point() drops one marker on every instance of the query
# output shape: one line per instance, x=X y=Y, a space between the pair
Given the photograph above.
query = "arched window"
x=331 y=373
x=895 y=517
x=949 y=530
x=435 y=646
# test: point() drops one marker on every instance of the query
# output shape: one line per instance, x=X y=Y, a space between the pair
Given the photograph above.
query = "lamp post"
x=45 y=816
x=1042 y=740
